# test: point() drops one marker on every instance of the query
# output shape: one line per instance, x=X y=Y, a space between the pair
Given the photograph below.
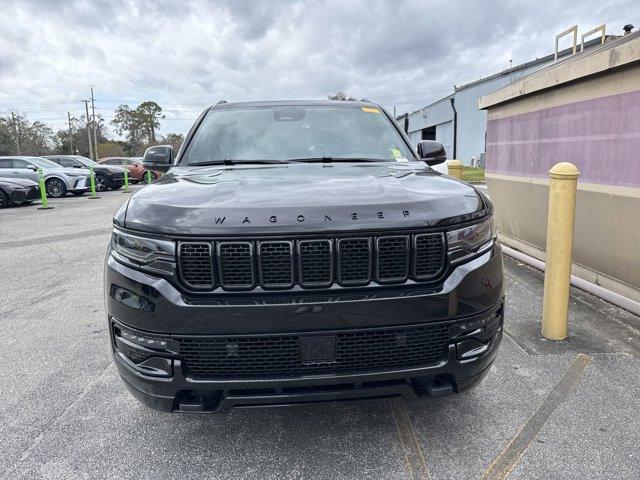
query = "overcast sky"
x=187 y=55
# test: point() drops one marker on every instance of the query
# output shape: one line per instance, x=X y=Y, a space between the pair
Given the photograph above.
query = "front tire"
x=102 y=183
x=4 y=200
x=56 y=188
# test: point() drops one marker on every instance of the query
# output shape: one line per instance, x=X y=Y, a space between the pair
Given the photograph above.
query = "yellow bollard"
x=454 y=169
x=563 y=184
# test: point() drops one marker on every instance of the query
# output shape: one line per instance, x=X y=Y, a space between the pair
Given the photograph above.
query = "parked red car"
x=137 y=172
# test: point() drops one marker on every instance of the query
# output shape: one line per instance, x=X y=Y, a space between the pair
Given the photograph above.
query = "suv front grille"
x=311 y=263
x=278 y=356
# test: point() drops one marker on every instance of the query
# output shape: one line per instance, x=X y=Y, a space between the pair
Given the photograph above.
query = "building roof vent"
x=627 y=28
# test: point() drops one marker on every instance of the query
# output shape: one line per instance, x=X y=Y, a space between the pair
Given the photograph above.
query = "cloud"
x=187 y=55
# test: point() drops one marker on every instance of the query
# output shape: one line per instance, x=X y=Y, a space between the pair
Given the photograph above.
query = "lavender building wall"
x=585 y=110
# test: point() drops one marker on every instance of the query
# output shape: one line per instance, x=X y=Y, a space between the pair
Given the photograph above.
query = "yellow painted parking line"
x=414 y=462
x=508 y=459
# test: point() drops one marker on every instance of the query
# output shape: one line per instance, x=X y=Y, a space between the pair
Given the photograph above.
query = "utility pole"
x=70 y=137
x=86 y=106
x=15 y=127
x=95 y=128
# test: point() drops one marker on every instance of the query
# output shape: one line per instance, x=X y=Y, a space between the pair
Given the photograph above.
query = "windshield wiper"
x=232 y=162
x=334 y=159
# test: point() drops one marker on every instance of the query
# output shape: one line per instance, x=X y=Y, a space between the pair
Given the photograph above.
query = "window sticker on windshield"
x=397 y=154
x=370 y=110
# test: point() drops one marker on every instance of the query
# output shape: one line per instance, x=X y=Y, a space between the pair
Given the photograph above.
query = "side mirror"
x=431 y=152
x=32 y=167
x=159 y=157
x=77 y=165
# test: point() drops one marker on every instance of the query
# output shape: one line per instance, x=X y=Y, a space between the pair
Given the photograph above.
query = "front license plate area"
x=318 y=349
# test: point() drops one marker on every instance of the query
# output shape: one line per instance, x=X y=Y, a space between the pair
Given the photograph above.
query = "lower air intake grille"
x=278 y=356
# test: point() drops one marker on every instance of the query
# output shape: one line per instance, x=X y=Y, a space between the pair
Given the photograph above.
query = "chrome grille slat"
x=311 y=263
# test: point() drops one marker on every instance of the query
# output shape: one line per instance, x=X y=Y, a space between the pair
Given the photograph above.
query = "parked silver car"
x=58 y=180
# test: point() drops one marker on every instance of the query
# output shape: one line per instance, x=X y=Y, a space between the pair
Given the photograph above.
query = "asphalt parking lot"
x=546 y=410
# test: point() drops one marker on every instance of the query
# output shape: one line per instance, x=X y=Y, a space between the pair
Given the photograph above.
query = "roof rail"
x=603 y=33
x=573 y=29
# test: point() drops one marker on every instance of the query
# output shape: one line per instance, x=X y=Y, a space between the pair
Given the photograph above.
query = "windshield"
x=296 y=133
x=86 y=161
x=43 y=162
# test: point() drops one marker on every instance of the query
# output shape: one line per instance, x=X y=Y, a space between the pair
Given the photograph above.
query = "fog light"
x=131 y=299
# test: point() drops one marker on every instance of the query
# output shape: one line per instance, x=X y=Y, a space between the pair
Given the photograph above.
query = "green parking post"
x=43 y=191
x=92 y=177
x=148 y=176
x=126 y=180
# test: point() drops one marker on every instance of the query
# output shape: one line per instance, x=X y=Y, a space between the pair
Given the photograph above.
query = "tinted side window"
x=6 y=163
x=19 y=163
x=67 y=162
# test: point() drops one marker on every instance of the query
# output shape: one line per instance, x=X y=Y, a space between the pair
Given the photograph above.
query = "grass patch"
x=473 y=174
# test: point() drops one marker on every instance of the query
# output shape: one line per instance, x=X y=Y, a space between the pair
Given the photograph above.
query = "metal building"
x=457 y=122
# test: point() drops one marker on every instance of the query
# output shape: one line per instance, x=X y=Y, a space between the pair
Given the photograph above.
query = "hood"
x=17 y=182
x=296 y=198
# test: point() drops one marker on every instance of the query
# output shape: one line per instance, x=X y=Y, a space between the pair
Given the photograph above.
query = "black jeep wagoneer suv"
x=299 y=252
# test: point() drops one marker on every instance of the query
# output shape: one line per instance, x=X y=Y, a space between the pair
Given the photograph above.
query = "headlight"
x=150 y=254
x=470 y=240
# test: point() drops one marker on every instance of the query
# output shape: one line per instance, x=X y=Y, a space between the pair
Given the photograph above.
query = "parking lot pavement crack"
x=414 y=461
x=514 y=339
x=55 y=238
x=12 y=472
x=508 y=459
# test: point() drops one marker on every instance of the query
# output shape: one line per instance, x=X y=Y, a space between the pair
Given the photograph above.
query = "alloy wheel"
x=101 y=183
x=56 y=188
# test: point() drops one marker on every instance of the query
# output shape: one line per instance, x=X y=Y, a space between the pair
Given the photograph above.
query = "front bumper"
x=473 y=292
x=78 y=184
x=116 y=180
x=24 y=195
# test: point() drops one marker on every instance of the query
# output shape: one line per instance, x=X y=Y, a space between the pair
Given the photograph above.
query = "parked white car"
x=58 y=180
